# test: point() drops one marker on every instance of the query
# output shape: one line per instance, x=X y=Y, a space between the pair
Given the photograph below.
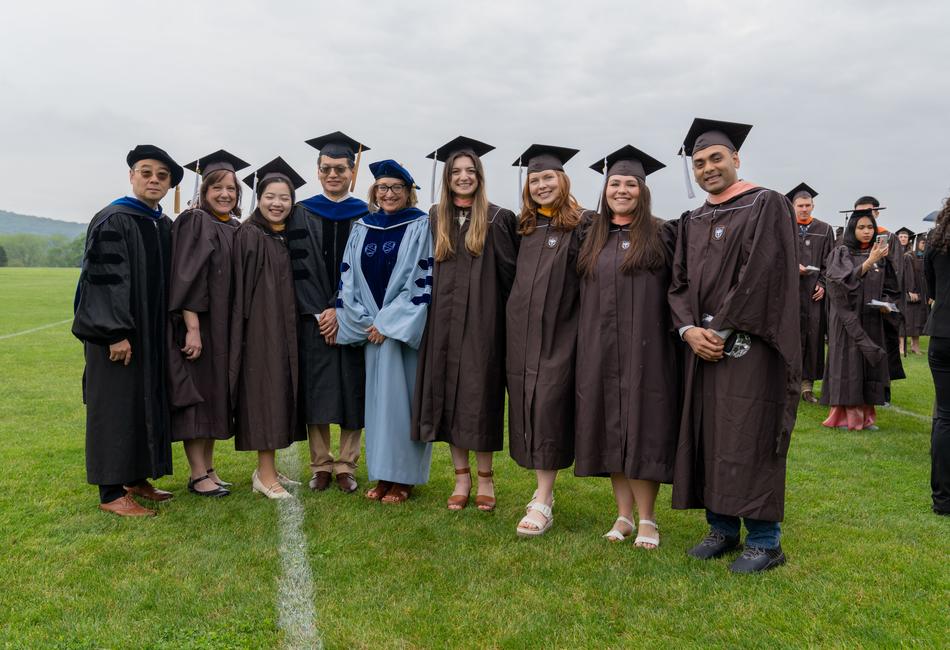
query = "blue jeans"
x=762 y=534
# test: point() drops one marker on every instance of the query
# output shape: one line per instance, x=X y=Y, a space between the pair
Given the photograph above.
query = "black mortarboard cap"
x=151 y=152
x=543 y=157
x=220 y=159
x=277 y=167
x=337 y=145
x=627 y=161
x=706 y=133
x=461 y=143
x=910 y=233
x=863 y=212
x=801 y=187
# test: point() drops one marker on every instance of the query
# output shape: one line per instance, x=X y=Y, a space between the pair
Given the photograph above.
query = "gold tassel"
x=356 y=166
x=178 y=198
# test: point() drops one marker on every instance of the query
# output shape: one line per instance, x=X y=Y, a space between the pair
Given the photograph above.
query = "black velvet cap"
x=628 y=161
x=706 y=133
x=460 y=144
x=151 y=152
x=337 y=145
x=220 y=159
x=910 y=233
x=543 y=157
x=277 y=167
x=801 y=187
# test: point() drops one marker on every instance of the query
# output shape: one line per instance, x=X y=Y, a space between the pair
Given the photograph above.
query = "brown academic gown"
x=200 y=283
x=857 y=371
x=894 y=323
x=628 y=377
x=460 y=381
x=263 y=351
x=541 y=343
x=738 y=261
x=815 y=242
x=915 y=313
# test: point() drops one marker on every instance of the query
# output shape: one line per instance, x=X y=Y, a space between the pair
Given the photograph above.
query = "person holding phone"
x=856 y=377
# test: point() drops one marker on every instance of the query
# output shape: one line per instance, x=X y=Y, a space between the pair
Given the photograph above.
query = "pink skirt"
x=853 y=417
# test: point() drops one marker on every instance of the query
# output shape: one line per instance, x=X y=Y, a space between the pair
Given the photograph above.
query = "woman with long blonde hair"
x=542 y=329
x=460 y=388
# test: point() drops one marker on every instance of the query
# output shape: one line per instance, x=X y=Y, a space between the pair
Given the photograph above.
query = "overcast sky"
x=851 y=97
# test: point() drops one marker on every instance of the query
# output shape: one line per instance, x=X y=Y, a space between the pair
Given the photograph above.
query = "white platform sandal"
x=545 y=511
x=614 y=535
x=645 y=539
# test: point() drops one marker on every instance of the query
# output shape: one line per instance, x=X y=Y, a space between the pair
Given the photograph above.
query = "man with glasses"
x=332 y=377
x=121 y=309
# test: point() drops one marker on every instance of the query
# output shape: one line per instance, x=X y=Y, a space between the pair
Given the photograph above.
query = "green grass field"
x=868 y=563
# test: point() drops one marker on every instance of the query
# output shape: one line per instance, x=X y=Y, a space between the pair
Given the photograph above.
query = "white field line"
x=35 y=329
x=296 y=615
x=922 y=418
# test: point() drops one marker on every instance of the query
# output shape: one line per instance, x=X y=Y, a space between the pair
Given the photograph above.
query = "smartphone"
x=882 y=239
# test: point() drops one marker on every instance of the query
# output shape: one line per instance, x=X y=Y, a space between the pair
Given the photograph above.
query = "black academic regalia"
x=628 y=376
x=738 y=262
x=894 y=323
x=915 y=313
x=332 y=378
x=857 y=371
x=263 y=351
x=460 y=381
x=541 y=333
x=122 y=295
x=201 y=283
x=815 y=242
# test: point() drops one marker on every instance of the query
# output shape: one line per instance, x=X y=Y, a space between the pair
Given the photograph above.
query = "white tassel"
x=435 y=159
x=253 y=195
x=689 y=185
x=600 y=196
x=520 y=185
x=194 y=194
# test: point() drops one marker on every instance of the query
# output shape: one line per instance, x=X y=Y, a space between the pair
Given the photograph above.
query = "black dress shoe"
x=220 y=483
x=216 y=492
x=755 y=559
x=714 y=545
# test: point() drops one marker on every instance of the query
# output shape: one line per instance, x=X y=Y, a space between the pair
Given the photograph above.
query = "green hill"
x=13 y=223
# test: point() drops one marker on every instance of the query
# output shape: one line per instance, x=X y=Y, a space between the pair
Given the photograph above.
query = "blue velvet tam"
x=392 y=169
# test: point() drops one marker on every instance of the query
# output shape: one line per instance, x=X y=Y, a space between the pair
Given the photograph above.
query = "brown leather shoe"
x=320 y=481
x=346 y=482
x=126 y=507
x=148 y=491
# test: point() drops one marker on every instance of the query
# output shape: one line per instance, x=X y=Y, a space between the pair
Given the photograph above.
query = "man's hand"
x=192 y=349
x=121 y=351
x=705 y=343
x=914 y=297
x=328 y=323
x=802 y=270
x=373 y=335
x=819 y=293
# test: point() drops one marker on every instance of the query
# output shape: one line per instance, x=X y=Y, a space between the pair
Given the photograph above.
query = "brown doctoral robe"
x=738 y=262
x=629 y=375
x=201 y=283
x=894 y=323
x=541 y=333
x=263 y=351
x=815 y=242
x=857 y=371
x=460 y=381
x=915 y=313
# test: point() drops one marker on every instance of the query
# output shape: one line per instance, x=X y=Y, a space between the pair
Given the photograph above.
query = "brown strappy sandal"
x=459 y=501
x=485 y=503
x=378 y=491
x=398 y=493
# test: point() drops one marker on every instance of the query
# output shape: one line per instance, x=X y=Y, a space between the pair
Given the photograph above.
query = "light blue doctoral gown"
x=391 y=455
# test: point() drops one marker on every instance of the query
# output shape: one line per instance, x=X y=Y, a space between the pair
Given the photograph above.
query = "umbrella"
x=932 y=216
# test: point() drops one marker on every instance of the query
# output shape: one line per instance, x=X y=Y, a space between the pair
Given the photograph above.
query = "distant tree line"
x=41 y=250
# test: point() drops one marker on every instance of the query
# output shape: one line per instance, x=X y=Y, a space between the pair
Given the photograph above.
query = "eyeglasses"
x=147 y=173
x=396 y=188
x=339 y=169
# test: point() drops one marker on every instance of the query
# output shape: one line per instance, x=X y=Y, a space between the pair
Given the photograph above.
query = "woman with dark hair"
x=385 y=290
x=460 y=395
x=628 y=379
x=916 y=296
x=541 y=329
x=199 y=304
x=937 y=273
x=263 y=352
x=856 y=375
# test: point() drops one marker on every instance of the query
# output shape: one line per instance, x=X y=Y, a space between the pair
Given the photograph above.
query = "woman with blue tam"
x=385 y=291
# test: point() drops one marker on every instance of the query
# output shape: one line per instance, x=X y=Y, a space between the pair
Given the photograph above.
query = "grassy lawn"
x=867 y=559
